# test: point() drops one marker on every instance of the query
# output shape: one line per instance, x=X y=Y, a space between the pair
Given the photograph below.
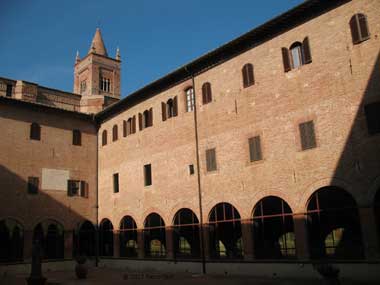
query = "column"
x=301 y=236
x=370 y=233
x=140 y=244
x=68 y=244
x=169 y=243
x=116 y=244
x=206 y=240
x=28 y=245
x=247 y=236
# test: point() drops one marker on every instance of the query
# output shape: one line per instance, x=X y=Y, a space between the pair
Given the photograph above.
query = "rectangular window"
x=33 y=183
x=191 y=169
x=211 y=159
x=9 y=90
x=147 y=175
x=116 y=183
x=77 y=137
x=73 y=187
x=307 y=135
x=190 y=100
x=372 y=114
x=255 y=153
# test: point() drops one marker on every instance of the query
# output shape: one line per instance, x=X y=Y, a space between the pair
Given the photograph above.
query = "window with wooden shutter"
x=84 y=189
x=150 y=117
x=211 y=160
x=359 y=28
x=116 y=183
x=147 y=175
x=306 y=53
x=255 y=152
x=163 y=107
x=35 y=132
x=33 y=183
x=73 y=187
x=190 y=101
x=140 y=122
x=77 y=137
x=114 y=133
x=175 y=106
x=372 y=114
x=206 y=93
x=169 y=108
x=104 y=138
x=307 y=135
x=286 y=59
x=248 y=76
x=125 y=128
x=133 y=124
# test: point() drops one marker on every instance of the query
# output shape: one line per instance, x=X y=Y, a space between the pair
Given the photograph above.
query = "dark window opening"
x=191 y=169
x=114 y=133
x=248 y=76
x=154 y=236
x=186 y=234
x=211 y=160
x=104 y=138
x=84 y=240
x=11 y=241
x=225 y=232
x=273 y=229
x=9 y=90
x=116 y=183
x=372 y=114
x=255 y=153
x=35 y=132
x=307 y=135
x=50 y=235
x=206 y=93
x=73 y=187
x=77 y=137
x=359 y=28
x=33 y=184
x=147 y=175
x=106 y=238
x=334 y=225
x=128 y=237
x=146 y=119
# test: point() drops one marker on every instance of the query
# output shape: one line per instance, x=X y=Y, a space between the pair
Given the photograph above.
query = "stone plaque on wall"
x=55 y=179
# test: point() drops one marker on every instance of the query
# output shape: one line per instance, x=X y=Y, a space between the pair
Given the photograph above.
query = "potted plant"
x=81 y=268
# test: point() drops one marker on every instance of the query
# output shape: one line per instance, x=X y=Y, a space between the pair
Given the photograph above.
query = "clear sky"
x=39 y=38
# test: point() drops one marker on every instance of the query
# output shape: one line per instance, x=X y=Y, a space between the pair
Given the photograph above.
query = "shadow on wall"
x=26 y=217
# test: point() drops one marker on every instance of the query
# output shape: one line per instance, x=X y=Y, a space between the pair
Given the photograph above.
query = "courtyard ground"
x=115 y=277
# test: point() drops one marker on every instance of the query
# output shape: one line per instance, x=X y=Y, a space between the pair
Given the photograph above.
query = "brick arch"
x=18 y=220
x=117 y=225
x=207 y=212
x=58 y=221
x=150 y=211
x=178 y=207
x=324 y=182
x=288 y=198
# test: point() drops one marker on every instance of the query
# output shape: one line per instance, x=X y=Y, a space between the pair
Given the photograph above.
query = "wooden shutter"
x=140 y=122
x=354 y=29
x=286 y=59
x=306 y=53
x=125 y=127
x=210 y=159
x=69 y=188
x=104 y=137
x=204 y=95
x=163 y=107
x=83 y=189
x=307 y=135
x=150 y=116
x=114 y=133
x=133 y=124
x=175 y=107
x=245 y=77
x=255 y=148
x=363 y=26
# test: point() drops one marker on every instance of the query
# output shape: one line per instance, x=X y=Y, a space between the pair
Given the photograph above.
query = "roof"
x=280 y=24
x=97 y=44
x=45 y=108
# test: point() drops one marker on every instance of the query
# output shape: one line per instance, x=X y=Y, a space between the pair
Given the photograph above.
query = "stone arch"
x=106 y=232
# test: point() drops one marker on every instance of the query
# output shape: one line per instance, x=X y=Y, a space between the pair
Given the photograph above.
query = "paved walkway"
x=109 y=276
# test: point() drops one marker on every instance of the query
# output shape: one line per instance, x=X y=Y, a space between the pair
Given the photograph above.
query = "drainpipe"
x=201 y=229
x=97 y=198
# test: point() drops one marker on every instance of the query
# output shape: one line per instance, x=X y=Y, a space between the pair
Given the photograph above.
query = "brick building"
x=265 y=149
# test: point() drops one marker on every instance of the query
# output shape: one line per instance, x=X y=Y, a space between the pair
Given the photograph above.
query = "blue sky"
x=40 y=37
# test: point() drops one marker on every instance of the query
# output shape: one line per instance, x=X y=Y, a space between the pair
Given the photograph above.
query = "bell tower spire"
x=97 y=76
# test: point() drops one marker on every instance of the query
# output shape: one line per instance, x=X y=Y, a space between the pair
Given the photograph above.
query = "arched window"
x=206 y=93
x=186 y=234
x=154 y=236
x=146 y=119
x=104 y=138
x=248 y=77
x=298 y=54
x=35 y=132
x=128 y=237
x=106 y=238
x=114 y=133
x=84 y=240
x=169 y=109
x=11 y=241
x=50 y=235
x=190 y=100
x=359 y=28
x=334 y=225
x=273 y=230
x=225 y=232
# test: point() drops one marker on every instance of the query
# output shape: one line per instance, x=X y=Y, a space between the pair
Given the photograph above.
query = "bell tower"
x=97 y=76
